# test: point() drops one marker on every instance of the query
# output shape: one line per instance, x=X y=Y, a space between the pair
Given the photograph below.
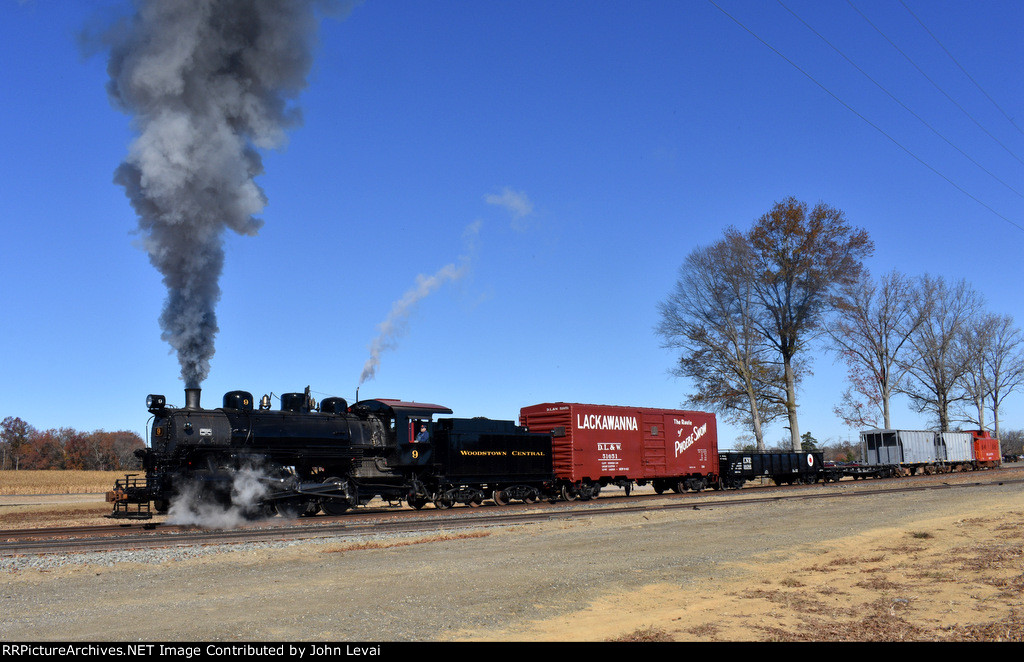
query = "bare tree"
x=710 y=317
x=1004 y=363
x=873 y=324
x=1012 y=442
x=977 y=384
x=859 y=406
x=939 y=354
x=799 y=259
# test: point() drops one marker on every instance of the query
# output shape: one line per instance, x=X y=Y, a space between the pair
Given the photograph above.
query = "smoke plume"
x=208 y=83
x=394 y=326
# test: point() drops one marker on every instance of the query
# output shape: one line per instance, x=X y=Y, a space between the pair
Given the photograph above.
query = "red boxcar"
x=986 y=449
x=596 y=445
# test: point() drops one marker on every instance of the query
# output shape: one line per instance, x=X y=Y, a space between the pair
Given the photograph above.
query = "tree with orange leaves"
x=800 y=258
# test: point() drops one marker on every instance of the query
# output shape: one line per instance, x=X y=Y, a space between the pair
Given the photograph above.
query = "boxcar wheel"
x=499 y=498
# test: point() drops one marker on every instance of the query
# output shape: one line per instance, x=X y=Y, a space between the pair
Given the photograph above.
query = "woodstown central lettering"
x=599 y=422
x=503 y=453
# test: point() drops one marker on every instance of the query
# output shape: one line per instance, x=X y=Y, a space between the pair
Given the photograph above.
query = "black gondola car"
x=737 y=467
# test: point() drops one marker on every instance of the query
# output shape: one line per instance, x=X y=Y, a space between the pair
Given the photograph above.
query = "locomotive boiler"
x=304 y=457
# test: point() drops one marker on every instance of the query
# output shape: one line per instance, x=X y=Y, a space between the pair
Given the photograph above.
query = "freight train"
x=305 y=457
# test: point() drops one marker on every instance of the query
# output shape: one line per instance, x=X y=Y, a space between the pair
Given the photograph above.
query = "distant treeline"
x=24 y=447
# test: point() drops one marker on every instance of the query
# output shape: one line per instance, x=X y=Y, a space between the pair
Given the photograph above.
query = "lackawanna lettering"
x=599 y=422
x=683 y=444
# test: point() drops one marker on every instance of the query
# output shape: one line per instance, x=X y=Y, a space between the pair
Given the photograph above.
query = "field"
x=57 y=482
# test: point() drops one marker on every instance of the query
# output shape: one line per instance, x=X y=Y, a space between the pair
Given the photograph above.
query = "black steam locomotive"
x=304 y=458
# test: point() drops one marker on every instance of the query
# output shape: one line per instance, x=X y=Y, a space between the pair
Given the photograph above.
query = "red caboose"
x=986 y=449
x=598 y=445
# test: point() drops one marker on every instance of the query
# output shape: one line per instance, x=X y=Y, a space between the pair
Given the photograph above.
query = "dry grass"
x=911 y=592
x=441 y=537
x=645 y=634
x=57 y=482
x=953 y=580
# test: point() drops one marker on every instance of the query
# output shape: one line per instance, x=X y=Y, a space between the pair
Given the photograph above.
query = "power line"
x=903 y=105
x=862 y=117
x=937 y=87
x=957 y=63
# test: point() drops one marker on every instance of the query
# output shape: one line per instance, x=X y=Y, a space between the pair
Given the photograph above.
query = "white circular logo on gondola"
x=810 y=460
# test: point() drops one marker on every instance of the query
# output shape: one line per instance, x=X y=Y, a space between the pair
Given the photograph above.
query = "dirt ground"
x=958 y=578
x=938 y=565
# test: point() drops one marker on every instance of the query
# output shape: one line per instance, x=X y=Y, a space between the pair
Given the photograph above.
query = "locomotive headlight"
x=155 y=402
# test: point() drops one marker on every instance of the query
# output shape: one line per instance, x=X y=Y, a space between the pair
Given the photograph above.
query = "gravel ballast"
x=430 y=587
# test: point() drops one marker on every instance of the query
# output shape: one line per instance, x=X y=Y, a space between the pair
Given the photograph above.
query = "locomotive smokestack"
x=192 y=398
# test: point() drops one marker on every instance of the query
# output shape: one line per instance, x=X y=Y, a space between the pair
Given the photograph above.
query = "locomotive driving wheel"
x=337 y=506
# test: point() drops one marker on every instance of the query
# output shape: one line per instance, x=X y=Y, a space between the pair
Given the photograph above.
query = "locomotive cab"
x=403 y=424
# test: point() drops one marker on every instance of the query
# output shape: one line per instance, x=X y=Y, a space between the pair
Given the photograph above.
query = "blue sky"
x=564 y=157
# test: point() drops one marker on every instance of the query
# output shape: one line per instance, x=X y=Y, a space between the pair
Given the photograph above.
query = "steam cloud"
x=208 y=83
x=394 y=326
x=248 y=487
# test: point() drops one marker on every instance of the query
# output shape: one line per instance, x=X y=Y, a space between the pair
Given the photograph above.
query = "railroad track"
x=137 y=535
